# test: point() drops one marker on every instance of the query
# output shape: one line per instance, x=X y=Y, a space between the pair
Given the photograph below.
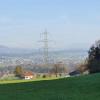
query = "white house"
x=27 y=75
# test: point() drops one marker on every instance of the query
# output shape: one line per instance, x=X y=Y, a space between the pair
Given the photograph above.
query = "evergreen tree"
x=94 y=58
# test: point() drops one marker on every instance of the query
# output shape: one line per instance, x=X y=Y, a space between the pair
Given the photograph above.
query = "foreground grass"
x=75 y=88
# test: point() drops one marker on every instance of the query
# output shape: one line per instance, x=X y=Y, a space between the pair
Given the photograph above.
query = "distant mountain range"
x=7 y=50
x=4 y=50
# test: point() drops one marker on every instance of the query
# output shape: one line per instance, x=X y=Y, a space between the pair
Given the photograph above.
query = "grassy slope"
x=76 y=88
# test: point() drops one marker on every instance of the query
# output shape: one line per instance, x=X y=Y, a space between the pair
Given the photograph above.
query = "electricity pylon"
x=45 y=48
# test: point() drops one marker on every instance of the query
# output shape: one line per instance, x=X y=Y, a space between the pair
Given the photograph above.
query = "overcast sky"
x=70 y=23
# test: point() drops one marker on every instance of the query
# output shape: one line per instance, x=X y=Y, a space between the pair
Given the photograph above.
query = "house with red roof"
x=27 y=75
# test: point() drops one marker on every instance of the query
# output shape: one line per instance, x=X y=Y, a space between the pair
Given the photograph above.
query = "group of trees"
x=58 y=68
x=93 y=60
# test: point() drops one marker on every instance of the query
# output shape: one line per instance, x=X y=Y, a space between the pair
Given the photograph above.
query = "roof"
x=74 y=73
x=27 y=73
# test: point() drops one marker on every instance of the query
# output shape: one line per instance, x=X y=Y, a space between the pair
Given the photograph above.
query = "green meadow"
x=73 y=88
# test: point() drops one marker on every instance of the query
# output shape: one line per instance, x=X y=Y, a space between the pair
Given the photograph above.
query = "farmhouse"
x=27 y=75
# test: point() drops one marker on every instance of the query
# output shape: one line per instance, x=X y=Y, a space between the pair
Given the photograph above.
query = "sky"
x=70 y=23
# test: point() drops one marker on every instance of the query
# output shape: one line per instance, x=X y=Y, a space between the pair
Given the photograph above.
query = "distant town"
x=34 y=61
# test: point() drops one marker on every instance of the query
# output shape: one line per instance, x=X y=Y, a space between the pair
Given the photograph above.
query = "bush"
x=44 y=76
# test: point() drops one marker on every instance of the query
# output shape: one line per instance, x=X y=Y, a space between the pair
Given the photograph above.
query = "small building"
x=27 y=75
x=74 y=73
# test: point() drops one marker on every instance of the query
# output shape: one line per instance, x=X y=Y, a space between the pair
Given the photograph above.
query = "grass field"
x=75 y=88
x=22 y=80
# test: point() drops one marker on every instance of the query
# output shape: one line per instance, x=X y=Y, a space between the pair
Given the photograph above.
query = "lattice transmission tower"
x=45 y=47
x=45 y=41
